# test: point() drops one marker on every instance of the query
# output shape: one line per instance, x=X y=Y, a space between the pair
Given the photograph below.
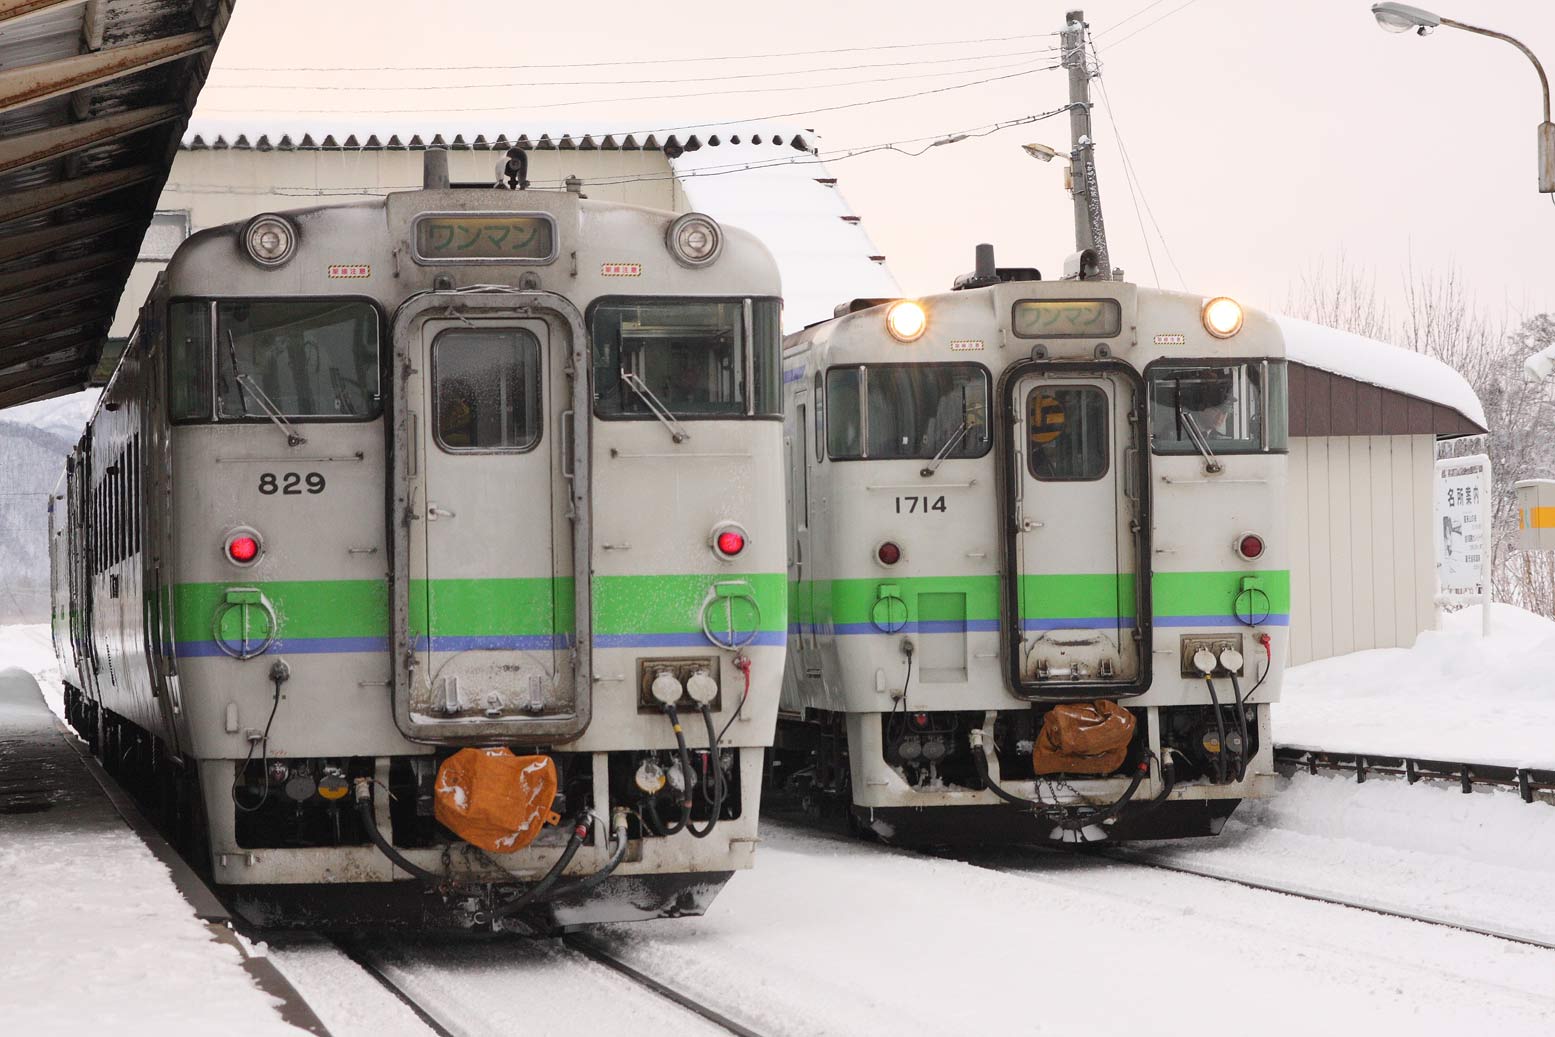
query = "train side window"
x=1237 y=407
x=1066 y=433
x=487 y=387
x=189 y=361
x=897 y=411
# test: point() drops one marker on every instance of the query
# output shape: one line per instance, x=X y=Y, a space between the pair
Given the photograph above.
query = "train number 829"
x=291 y=484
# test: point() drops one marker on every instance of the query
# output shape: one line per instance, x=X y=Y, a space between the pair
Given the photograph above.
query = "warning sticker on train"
x=966 y=345
x=353 y=270
x=1171 y=340
x=621 y=269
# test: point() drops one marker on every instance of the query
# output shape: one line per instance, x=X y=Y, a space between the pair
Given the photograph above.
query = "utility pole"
x=1089 y=230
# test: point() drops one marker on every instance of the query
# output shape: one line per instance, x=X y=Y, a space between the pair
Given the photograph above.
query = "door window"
x=486 y=383
x=1066 y=433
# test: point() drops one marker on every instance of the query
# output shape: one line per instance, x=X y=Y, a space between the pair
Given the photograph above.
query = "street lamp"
x=1402 y=17
x=1043 y=153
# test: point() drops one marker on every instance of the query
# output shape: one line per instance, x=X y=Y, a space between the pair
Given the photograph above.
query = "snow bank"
x=1454 y=696
x=1378 y=363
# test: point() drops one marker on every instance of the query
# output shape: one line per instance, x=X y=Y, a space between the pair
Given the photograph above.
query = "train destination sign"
x=1067 y=318
x=485 y=238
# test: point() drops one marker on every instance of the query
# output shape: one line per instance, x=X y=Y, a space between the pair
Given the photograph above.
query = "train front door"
x=1078 y=530
x=490 y=597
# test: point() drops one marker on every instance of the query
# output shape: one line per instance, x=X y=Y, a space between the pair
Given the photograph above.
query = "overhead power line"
x=779 y=73
x=640 y=61
x=721 y=92
x=1155 y=21
x=514 y=109
x=1124 y=21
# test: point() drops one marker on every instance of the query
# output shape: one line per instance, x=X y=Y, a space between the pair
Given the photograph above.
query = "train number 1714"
x=919 y=505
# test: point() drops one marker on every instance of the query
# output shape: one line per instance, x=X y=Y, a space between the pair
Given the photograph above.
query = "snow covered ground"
x=827 y=936
x=1454 y=696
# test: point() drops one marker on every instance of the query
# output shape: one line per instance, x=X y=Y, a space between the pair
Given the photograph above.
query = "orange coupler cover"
x=1083 y=738
x=495 y=800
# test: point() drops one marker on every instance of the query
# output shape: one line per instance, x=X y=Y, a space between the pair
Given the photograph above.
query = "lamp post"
x=1402 y=18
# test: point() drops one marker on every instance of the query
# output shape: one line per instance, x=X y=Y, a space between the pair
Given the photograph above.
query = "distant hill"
x=64 y=415
x=31 y=461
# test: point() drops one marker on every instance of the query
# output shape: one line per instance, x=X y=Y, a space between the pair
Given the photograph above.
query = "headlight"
x=1222 y=317
x=906 y=321
x=270 y=240
x=694 y=239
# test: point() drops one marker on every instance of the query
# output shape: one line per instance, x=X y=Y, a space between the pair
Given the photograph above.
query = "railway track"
x=1146 y=859
x=445 y=1024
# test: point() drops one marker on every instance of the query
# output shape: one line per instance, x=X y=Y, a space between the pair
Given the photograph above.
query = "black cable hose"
x=685 y=767
x=1241 y=724
x=264 y=759
x=1070 y=824
x=541 y=888
x=1220 y=728
x=718 y=777
x=588 y=882
x=364 y=811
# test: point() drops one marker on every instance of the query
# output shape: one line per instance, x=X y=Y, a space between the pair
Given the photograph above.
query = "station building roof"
x=94 y=95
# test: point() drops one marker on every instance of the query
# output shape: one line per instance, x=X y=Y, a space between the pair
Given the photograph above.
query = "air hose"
x=364 y=812
x=580 y=831
x=617 y=855
x=1220 y=731
x=685 y=771
x=1241 y=725
x=717 y=779
x=980 y=752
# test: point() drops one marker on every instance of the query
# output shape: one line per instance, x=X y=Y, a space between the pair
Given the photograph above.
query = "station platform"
x=99 y=934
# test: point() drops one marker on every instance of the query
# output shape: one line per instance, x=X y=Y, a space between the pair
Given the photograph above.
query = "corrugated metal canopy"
x=94 y=95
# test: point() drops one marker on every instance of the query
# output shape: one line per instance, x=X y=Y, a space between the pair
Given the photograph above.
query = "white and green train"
x=1021 y=498
x=453 y=468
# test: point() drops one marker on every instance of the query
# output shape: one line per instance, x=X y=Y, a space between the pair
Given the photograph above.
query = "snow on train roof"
x=824 y=255
x=1379 y=363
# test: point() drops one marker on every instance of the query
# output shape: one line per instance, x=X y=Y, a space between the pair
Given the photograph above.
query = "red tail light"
x=1250 y=546
x=730 y=542
x=888 y=553
x=243 y=547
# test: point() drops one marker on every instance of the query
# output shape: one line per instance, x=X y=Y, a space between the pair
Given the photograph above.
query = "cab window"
x=896 y=411
x=245 y=360
x=693 y=359
x=1235 y=407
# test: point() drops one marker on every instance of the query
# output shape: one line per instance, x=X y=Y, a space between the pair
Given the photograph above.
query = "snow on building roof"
x=823 y=253
x=1379 y=363
x=348 y=134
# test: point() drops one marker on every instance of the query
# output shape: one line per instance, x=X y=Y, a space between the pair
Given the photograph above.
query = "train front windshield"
x=692 y=359
x=303 y=359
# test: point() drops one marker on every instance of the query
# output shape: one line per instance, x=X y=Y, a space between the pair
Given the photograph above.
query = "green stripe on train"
x=1054 y=596
x=469 y=608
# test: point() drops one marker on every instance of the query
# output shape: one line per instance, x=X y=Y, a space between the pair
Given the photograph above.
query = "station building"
x=1365 y=416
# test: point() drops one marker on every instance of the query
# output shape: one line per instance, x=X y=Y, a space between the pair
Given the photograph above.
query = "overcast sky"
x=1267 y=137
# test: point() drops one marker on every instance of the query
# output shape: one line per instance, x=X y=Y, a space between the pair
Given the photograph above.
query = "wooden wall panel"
x=1318 y=536
x=1383 y=518
x=1362 y=543
x=1341 y=576
x=1300 y=554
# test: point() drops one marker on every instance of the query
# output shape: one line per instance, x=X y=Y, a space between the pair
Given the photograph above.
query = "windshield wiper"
x=293 y=437
x=944 y=451
x=232 y=354
x=677 y=431
x=1196 y=435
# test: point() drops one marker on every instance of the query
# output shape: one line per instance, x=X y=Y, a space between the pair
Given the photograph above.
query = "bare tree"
x=1442 y=319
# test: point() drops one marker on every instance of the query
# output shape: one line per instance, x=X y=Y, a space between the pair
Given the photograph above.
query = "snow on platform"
x=96 y=936
x=1454 y=696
